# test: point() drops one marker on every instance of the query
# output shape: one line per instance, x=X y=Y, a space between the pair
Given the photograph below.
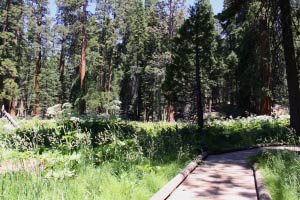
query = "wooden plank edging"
x=261 y=189
x=169 y=188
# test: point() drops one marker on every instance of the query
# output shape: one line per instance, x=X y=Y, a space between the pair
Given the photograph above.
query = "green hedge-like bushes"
x=107 y=139
x=246 y=132
x=152 y=139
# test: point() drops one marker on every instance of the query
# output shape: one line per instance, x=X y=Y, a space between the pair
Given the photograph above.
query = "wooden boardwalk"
x=225 y=176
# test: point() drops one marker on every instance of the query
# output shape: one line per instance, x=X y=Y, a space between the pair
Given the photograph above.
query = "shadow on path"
x=225 y=176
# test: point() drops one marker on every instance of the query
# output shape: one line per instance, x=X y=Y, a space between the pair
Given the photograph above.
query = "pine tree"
x=193 y=60
x=38 y=24
x=156 y=60
x=63 y=25
x=202 y=32
x=109 y=17
x=172 y=16
x=134 y=37
x=10 y=29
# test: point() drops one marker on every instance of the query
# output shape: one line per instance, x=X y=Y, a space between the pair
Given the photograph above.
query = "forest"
x=150 y=60
x=110 y=99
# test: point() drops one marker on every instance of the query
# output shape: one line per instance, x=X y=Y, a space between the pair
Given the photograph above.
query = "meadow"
x=95 y=158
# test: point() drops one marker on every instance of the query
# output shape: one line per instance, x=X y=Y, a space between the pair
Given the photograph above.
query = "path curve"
x=225 y=176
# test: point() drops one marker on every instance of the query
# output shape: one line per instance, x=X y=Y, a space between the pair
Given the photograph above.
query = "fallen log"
x=9 y=117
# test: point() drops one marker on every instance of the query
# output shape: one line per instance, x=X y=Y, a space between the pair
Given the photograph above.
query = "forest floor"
x=224 y=176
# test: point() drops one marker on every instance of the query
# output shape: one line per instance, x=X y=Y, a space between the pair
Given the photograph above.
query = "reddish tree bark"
x=170 y=113
x=83 y=45
x=266 y=69
x=12 y=108
x=82 y=102
x=21 y=109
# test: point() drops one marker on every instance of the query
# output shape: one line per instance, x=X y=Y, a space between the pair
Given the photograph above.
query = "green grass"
x=281 y=172
x=95 y=159
x=89 y=183
x=115 y=159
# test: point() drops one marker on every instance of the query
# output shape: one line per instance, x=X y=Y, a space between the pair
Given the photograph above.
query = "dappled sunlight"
x=225 y=176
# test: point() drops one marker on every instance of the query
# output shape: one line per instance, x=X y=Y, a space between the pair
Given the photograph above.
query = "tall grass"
x=95 y=159
x=281 y=172
x=91 y=182
x=114 y=159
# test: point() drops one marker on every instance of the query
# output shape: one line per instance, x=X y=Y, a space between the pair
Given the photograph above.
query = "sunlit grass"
x=91 y=182
x=115 y=159
x=281 y=172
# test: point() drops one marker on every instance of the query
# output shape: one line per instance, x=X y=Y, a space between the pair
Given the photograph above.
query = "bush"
x=155 y=139
x=246 y=132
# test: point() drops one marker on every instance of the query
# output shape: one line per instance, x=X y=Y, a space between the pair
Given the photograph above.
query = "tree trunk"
x=82 y=102
x=199 y=92
x=82 y=107
x=170 y=113
x=160 y=108
x=83 y=45
x=100 y=80
x=7 y=105
x=266 y=69
x=100 y=108
x=21 y=109
x=12 y=108
x=38 y=66
x=110 y=73
x=7 y=102
x=139 y=100
x=6 y=21
x=291 y=67
x=62 y=63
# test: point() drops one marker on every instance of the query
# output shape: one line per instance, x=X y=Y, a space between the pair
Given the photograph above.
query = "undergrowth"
x=281 y=172
x=115 y=159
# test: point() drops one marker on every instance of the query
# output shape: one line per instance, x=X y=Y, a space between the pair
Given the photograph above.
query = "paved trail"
x=222 y=177
x=225 y=176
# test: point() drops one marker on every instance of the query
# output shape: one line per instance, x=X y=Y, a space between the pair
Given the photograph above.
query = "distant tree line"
x=150 y=60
